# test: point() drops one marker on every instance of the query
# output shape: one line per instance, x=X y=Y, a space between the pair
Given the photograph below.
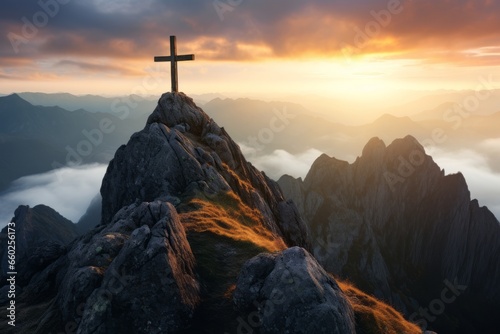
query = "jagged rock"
x=289 y=292
x=293 y=226
x=397 y=227
x=178 y=109
x=41 y=237
x=134 y=275
x=182 y=152
x=182 y=210
x=92 y=216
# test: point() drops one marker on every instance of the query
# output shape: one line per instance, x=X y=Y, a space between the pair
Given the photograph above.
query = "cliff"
x=395 y=225
x=182 y=213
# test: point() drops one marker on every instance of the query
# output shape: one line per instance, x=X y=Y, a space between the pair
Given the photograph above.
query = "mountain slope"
x=396 y=226
x=179 y=249
x=41 y=235
x=36 y=139
x=226 y=212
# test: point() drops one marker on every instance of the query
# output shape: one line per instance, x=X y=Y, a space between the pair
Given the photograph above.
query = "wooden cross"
x=173 y=59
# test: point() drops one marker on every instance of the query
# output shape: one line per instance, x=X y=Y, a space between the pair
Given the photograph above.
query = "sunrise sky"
x=248 y=47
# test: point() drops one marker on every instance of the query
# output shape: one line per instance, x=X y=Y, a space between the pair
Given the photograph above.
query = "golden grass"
x=242 y=185
x=374 y=316
x=227 y=216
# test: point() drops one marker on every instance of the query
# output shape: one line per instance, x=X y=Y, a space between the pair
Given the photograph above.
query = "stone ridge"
x=42 y=235
x=150 y=266
x=395 y=225
x=182 y=152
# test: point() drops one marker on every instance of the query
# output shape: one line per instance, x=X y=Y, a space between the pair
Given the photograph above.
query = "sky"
x=248 y=48
x=387 y=51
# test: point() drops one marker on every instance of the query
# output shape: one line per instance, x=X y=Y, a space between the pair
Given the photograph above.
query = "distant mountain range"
x=35 y=139
x=251 y=122
x=346 y=109
x=134 y=104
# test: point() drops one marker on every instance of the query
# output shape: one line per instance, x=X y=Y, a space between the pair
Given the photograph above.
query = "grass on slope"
x=375 y=317
x=226 y=215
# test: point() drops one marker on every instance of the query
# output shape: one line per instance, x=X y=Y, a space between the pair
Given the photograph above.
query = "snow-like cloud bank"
x=67 y=190
x=281 y=162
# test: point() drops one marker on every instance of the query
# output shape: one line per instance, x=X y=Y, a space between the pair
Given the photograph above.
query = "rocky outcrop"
x=396 y=226
x=181 y=212
x=41 y=236
x=135 y=274
x=289 y=292
x=91 y=217
x=181 y=153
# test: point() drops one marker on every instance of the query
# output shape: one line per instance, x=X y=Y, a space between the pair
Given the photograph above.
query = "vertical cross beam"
x=173 y=59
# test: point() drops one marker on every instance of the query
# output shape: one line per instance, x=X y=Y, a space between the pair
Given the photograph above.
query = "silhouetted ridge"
x=41 y=237
x=396 y=226
x=13 y=101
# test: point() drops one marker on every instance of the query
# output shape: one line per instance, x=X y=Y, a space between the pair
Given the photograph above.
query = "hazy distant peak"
x=324 y=159
x=389 y=118
x=14 y=101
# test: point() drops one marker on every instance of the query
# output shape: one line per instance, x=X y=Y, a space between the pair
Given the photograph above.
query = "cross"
x=173 y=59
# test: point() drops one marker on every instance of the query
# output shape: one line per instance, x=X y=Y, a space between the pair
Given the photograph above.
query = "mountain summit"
x=395 y=225
x=182 y=213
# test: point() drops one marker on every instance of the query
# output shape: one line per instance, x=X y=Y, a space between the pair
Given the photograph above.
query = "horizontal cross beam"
x=173 y=59
x=177 y=58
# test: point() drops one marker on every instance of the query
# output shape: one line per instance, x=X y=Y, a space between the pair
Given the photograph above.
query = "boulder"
x=289 y=292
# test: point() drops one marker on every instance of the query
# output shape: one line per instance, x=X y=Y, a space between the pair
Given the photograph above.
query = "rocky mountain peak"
x=177 y=108
x=183 y=154
x=375 y=146
x=192 y=239
x=182 y=211
x=396 y=225
x=41 y=236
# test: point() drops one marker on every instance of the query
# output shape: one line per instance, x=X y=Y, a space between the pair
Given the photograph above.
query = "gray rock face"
x=395 y=225
x=152 y=265
x=289 y=292
x=91 y=217
x=182 y=152
x=135 y=274
x=41 y=237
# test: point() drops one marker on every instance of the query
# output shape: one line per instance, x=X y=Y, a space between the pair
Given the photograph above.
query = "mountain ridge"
x=419 y=226
x=184 y=244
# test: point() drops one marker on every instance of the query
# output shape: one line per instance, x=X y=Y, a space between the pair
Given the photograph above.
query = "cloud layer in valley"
x=66 y=190
x=281 y=162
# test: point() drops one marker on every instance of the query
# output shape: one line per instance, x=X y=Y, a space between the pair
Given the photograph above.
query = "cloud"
x=66 y=190
x=491 y=144
x=95 y=68
x=483 y=182
x=281 y=29
x=280 y=162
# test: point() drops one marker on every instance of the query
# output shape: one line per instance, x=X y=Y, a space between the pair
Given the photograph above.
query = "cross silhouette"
x=173 y=59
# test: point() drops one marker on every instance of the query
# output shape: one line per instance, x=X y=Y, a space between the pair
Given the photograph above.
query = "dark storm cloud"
x=217 y=29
